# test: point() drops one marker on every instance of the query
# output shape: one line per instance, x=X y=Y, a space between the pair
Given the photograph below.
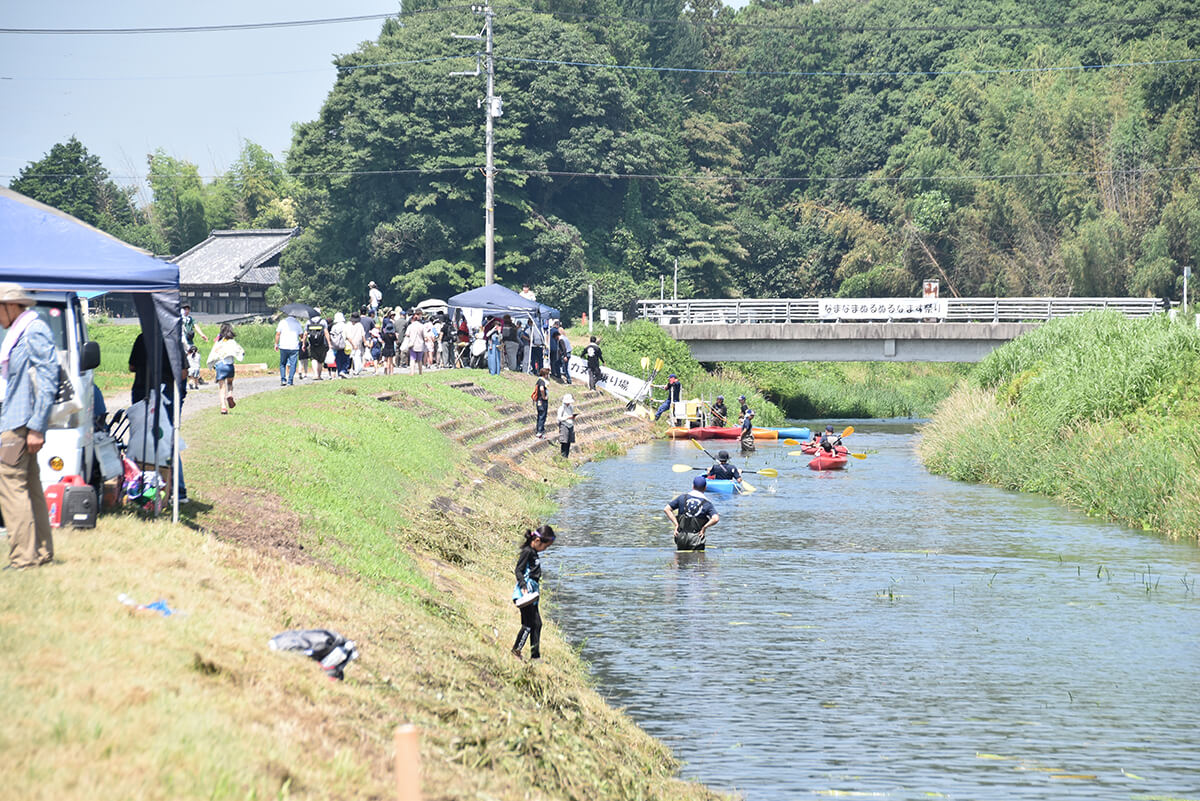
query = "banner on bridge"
x=880 y=308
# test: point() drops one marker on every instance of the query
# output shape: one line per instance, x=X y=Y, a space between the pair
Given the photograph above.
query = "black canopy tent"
x=44 y=248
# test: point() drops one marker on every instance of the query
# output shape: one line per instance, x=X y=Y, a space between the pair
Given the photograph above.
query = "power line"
x=716 y=23
x=846 y=74
x=235 y=26
x=212 y=75
x=692 y=177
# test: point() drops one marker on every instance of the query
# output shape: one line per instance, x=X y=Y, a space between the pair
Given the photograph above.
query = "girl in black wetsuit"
x=529 y=573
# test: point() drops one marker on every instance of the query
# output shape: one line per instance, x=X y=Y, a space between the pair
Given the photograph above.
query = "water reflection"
x=884 y=631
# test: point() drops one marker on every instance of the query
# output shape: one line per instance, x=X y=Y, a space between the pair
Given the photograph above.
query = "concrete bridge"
x=864 y=330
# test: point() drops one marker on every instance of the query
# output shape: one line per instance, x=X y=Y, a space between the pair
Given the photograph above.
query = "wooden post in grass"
x=408 y=763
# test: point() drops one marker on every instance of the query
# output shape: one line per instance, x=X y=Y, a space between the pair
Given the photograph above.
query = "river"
x=883 y=632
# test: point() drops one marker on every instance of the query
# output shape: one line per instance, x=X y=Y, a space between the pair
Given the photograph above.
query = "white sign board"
x=879 y=308
x=616 y=383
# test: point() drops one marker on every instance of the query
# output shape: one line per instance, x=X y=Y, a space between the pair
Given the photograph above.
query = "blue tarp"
x=44 y=248
x=494 y=299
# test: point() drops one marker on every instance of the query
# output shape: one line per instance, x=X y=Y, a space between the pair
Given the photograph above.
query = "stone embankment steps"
x=504 y=450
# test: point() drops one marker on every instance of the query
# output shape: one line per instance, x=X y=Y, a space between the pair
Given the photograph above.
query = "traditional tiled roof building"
x=229 y=273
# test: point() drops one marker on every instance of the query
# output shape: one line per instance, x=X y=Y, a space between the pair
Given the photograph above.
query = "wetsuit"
x=692 y=512
x=528 y=573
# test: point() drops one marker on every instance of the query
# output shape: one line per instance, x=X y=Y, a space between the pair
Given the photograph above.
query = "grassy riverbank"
x=776 y=391
x=1100 y=411
x=318 y=507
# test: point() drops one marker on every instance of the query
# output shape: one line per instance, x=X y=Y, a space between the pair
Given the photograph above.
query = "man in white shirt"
x=374 y=298
x=287 y=342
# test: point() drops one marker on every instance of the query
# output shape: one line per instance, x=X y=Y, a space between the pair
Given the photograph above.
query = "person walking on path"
x=555 y=362
x=374 y=298
x=29 y=366
x=221 y=358
x=541 y=403
x=387 y=348
x=338 y=338
x=317 y=335
x=189 y=326
x=566 y=424
x=414 y=344
x=527 y=592
x=594 y=357
x=356 y=336
x=287 y=344
x=692 y=515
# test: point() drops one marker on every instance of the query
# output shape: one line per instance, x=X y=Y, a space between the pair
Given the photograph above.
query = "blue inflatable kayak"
x=725 y=485
x=794 y=433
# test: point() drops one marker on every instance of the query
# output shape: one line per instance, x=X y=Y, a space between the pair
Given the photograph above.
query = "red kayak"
x=811 y=449
x=704 y=432
x=829 y=462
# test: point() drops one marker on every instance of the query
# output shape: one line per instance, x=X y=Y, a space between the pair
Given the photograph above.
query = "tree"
x=178 y=209
x=71 y=179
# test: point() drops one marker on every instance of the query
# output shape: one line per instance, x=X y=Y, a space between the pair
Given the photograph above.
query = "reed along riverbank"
x=387 y=509
x=1100 y=411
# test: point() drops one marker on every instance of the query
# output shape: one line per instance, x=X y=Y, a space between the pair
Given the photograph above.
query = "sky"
x=197 y=96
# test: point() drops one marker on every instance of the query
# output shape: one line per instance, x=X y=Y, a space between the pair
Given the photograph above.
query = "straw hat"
x=14 y=293
x=568 y=400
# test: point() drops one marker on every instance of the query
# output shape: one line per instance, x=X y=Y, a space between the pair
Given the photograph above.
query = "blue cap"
x=699 y=482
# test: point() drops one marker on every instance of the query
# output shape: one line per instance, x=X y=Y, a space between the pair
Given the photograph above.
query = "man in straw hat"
x=29 y=365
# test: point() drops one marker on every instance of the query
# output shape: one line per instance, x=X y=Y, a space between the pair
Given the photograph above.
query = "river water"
x=883 y=632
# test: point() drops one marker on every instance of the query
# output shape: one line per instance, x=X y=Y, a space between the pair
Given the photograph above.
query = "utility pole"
x=492 y=107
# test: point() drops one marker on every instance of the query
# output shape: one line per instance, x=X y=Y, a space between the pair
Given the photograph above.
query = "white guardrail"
x=830 y=310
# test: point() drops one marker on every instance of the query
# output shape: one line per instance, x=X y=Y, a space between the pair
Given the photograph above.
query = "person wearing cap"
x=747 y=430
x=723 y=469
x=692 y=515
x=29 y=365
x=829 y=441
x=566 y=423
x=374 y=298
x=742 y=408
x=719 y=412
x=674 y=392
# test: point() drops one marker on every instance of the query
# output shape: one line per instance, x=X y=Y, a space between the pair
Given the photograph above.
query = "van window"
x=55 y=316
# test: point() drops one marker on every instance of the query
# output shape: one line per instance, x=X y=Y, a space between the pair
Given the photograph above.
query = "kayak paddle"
x=769 y=472
x=802 y=453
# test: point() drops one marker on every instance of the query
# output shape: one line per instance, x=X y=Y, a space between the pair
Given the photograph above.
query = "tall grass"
x=1100 y=412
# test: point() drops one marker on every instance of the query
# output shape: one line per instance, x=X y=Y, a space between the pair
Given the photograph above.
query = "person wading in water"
x=692 y=515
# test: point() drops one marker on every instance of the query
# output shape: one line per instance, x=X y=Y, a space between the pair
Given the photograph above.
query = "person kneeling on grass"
x=526 y=594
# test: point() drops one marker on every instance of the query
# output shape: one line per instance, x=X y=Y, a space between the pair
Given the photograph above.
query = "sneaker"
x=283 y=383
x=183 y=500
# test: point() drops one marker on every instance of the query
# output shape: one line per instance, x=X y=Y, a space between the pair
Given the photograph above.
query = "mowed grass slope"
x=1100 y=411
x=311 y=509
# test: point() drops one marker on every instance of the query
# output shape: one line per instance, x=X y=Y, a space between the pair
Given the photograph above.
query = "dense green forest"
x=786 y=149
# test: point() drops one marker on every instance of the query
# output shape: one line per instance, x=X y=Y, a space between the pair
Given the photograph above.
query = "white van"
x=70 y=442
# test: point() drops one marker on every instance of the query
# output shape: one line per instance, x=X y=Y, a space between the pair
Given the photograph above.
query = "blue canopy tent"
x=44 y=248
x=494 y=299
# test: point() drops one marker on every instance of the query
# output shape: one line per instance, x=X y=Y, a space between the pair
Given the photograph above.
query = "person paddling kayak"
x=692 y=515
x=723 y=469
x=829 y=441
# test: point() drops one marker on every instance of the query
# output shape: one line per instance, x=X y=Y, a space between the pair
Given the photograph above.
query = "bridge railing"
x=960 y=310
